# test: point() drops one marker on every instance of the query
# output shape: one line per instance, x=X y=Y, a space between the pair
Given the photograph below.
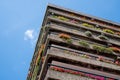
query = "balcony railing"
x=79 y=72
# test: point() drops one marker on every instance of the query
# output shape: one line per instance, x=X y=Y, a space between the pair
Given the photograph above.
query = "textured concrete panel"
x=64 y=76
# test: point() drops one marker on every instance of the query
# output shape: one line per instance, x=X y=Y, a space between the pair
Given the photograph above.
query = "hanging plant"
x=108 y=31
x=84 y=44
x=103 y=37
x=88 y=33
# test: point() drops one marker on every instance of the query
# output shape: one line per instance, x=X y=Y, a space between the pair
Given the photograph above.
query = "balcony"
x=60 y=72
x=83 y=57
x=83 y=45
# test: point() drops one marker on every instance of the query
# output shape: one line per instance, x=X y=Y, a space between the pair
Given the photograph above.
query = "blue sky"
x=20 y=22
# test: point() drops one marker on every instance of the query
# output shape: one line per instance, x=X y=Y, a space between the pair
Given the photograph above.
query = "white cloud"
x=29 y=34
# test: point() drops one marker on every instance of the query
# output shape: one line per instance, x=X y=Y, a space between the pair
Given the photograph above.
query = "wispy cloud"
x=30 y=35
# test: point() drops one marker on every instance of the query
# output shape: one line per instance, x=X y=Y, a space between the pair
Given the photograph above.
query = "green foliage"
x=63 y=18
x=54 y=16
x=69 y=41
x=108 y=31
x=38 y=61
x=98 y=29
x=103 y=37
x=102 y=49
x=88 y=25
x=88 y=33
x=84 y=44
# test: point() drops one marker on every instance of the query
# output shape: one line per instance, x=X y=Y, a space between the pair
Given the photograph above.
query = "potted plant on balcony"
x=87 y=25
x=102 y=37
x=54 y=16
x=98 y=48
x=108 y=50
x=102 y=49
x=84 y=44
x=96 y=28
x=88 y=33
x=65 y=37
x=108 y=31
x=63 y=18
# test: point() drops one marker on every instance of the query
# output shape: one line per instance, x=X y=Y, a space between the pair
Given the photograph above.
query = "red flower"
x=65 y=36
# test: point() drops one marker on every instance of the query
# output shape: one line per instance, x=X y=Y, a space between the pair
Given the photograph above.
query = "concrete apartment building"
x=76 y=46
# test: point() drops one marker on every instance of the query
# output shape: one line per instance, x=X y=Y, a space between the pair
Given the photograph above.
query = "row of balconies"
x=72 y=57
x=106 y=38
x=103 y=62
x=86 y=44
x=57 y=37
x=87 y=25
x=85 y=58
x=88 y=34
x=83 y=19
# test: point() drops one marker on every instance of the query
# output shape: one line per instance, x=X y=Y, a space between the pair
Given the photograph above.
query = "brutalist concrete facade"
x=76 y=46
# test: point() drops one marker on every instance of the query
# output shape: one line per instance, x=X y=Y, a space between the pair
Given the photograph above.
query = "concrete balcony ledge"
x=78 y=58
x=64 y=76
